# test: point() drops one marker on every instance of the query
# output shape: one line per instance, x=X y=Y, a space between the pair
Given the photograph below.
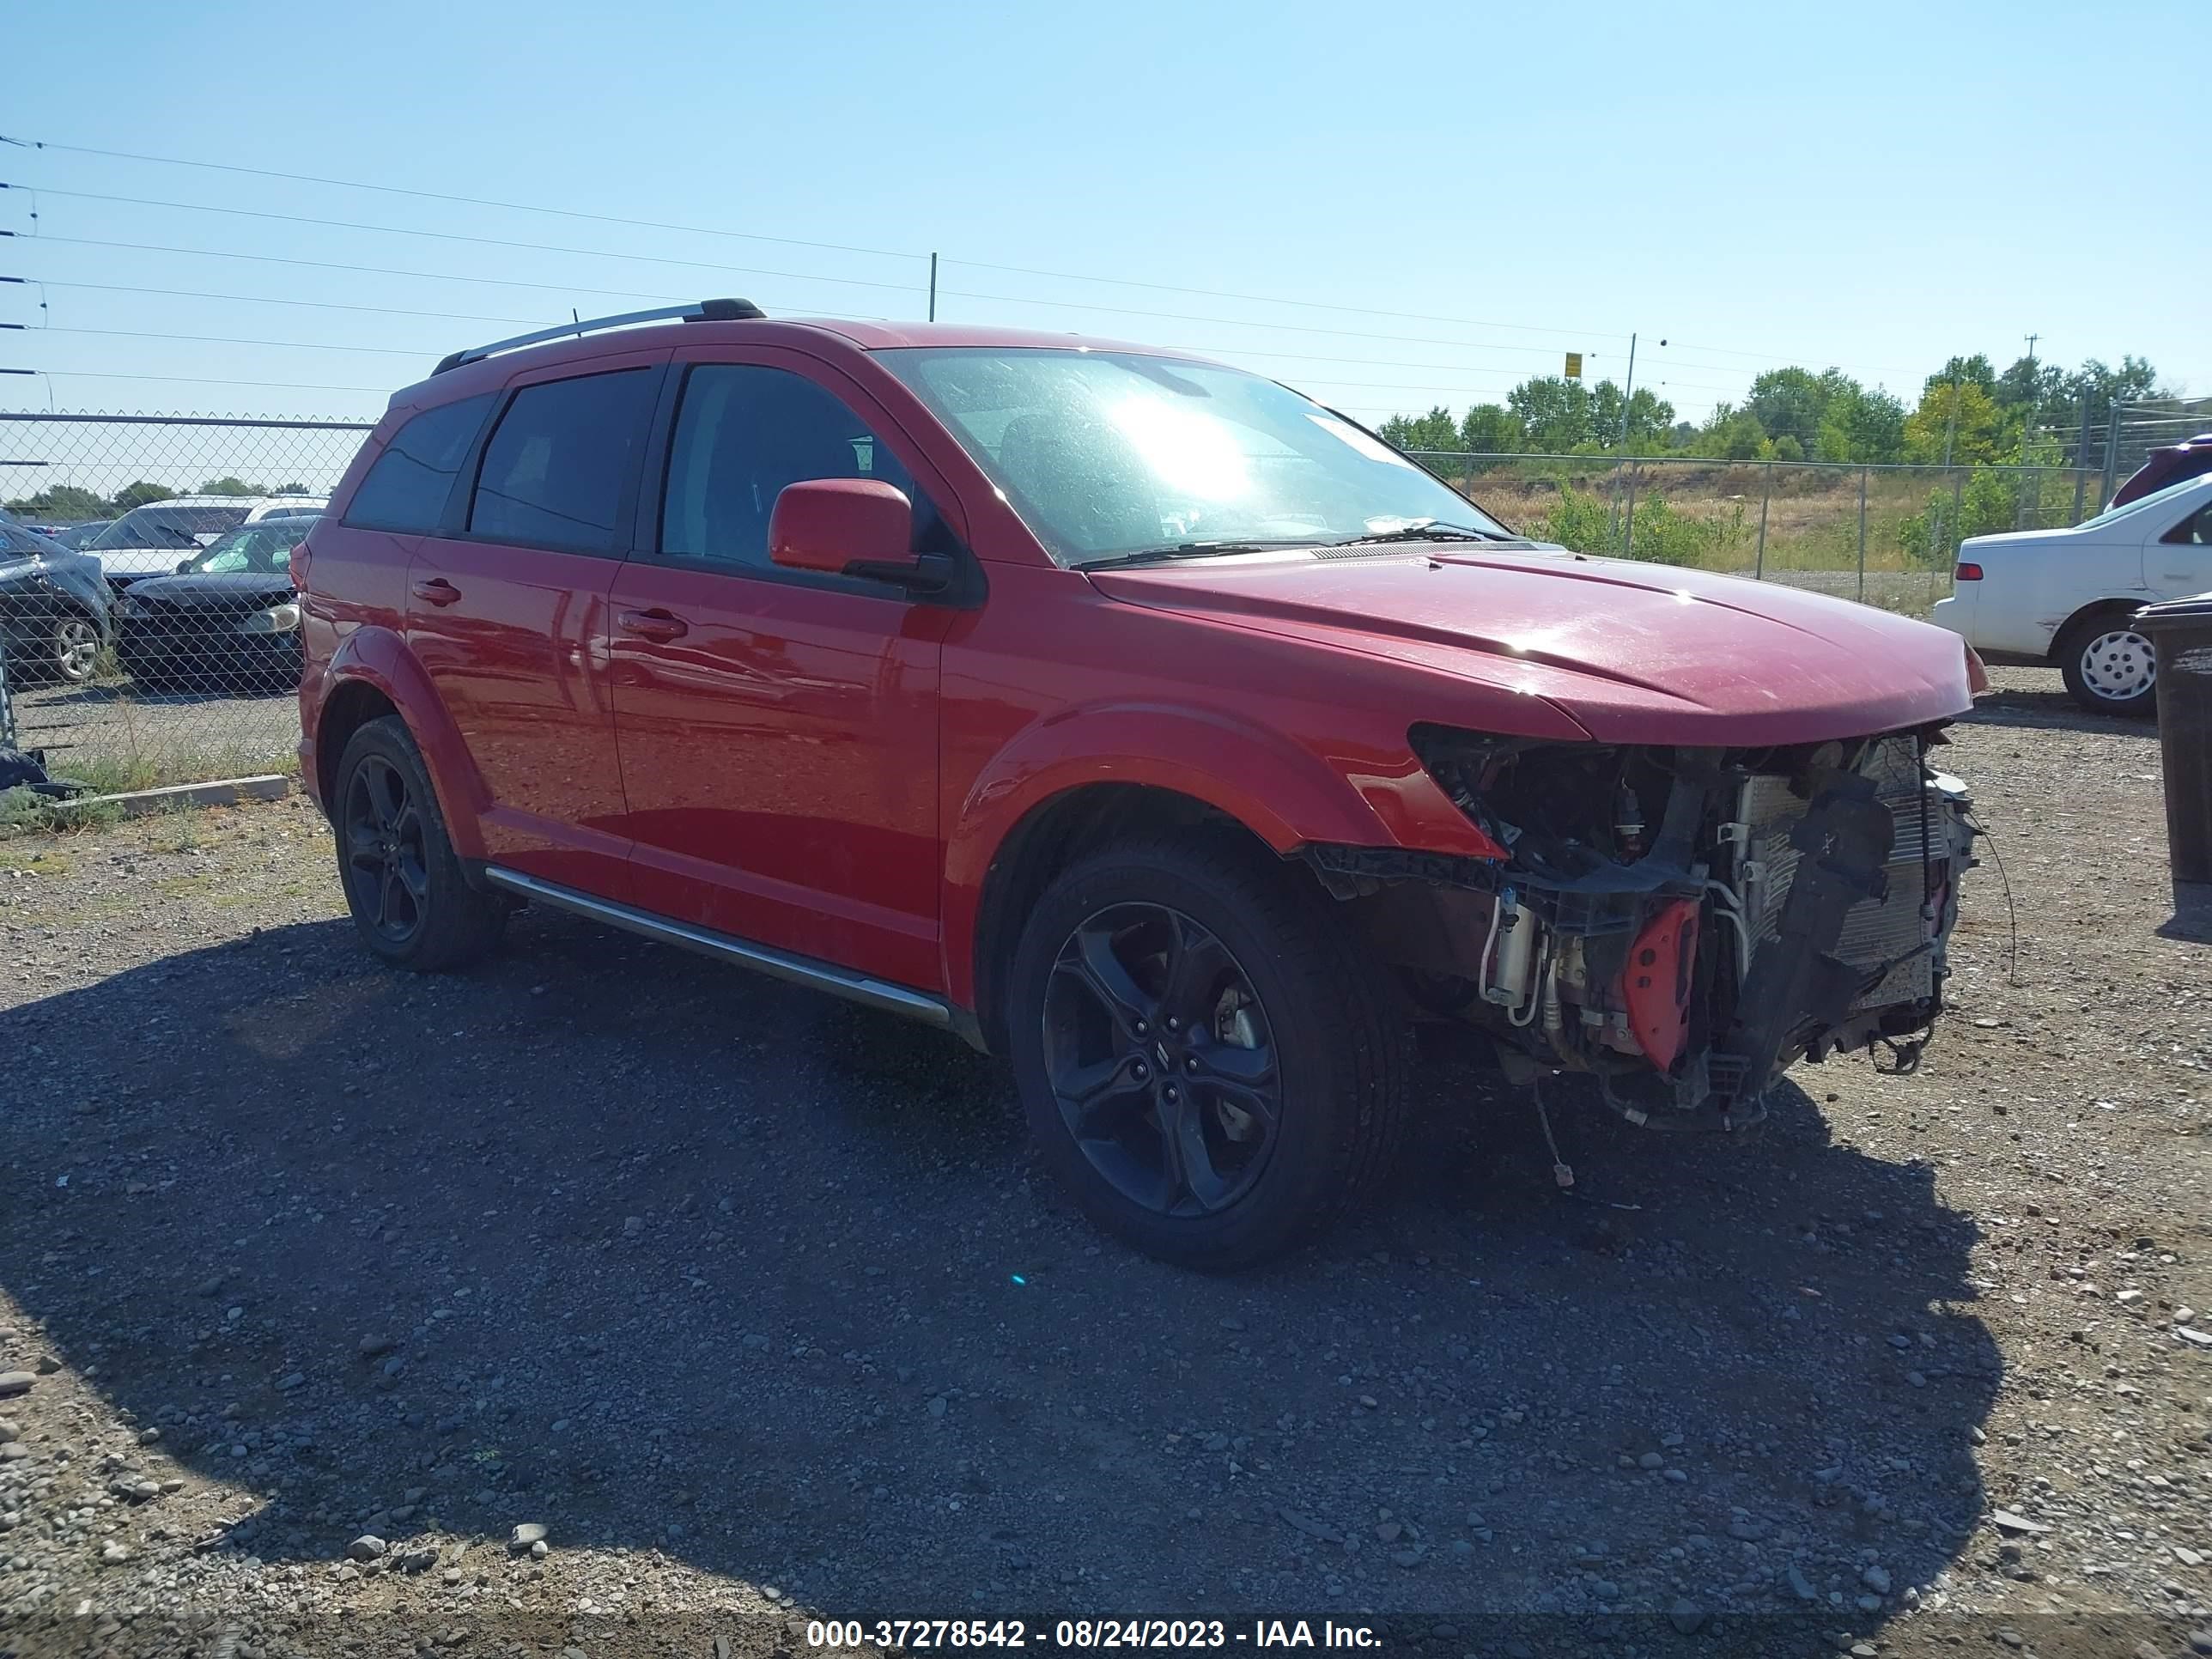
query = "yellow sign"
x=1574 y=365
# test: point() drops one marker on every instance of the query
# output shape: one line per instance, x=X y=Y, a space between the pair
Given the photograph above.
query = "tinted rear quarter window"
x=406 y=488
x=554 y=472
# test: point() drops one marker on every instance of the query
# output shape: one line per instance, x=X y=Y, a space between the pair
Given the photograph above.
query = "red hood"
x=1633 y=652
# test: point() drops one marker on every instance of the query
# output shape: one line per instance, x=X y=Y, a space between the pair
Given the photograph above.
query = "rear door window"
x=554 y=472
x=407 y=489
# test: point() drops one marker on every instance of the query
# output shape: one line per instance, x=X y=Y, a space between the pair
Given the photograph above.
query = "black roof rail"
x=704 y=311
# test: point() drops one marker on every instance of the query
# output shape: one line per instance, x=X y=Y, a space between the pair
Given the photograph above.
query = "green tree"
x=1491 y=429
x=1555 y=413
x=1962 y=371
x=1964 y=419
x=1796 y=403
x=63 y=503
x=138 y=494
x=2031 y=386
x=230 y=486
x=1434 y=430
x=1859 y=425
x=1733 y=435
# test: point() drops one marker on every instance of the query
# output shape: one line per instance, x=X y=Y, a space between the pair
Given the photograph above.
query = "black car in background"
x=55 y=609
x=228 y=620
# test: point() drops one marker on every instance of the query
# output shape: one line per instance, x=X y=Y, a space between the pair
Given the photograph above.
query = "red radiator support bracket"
x=1655 y=984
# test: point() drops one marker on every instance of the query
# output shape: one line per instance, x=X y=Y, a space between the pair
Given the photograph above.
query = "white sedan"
x=2069 y=597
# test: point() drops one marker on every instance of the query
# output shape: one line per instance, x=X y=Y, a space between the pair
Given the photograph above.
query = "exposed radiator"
x=1879 y=930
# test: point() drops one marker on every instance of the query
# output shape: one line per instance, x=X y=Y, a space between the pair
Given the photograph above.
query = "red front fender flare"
x=1285 y=795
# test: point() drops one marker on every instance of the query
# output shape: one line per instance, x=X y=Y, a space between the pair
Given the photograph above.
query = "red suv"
x=1134 y=717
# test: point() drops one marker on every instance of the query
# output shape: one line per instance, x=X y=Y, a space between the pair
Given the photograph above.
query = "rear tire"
x=410 y=896
x=1245 y=1045
x=2109 y=665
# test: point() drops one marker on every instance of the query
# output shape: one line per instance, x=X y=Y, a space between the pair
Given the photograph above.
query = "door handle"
x=435 y=590
x=658 y=626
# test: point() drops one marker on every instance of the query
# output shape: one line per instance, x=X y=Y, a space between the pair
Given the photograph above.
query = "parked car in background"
x=2069 y=597
x=75 y=535
x=55 y=613
x=228 y=619
x=2171 y=464
x=1133 y=716
x=147 y=541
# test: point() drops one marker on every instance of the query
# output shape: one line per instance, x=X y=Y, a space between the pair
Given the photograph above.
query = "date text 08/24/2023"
x=915 y=1635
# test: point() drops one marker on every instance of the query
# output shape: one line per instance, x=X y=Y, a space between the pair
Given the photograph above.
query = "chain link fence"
x=128 y=673
x=147 y=615
x=1886 y=535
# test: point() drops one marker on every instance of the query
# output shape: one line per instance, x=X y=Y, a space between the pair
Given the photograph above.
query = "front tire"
x=73 y=649
x=410 y=896
x=1210 y=1062
x=2109 y=665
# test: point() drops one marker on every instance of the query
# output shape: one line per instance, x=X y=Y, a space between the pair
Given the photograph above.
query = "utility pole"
x=1628 y=397
x=932 y=288
x=1621 y=448
x=2026 y=435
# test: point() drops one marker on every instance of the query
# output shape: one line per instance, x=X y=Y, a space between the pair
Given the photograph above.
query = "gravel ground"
x=323 y=1280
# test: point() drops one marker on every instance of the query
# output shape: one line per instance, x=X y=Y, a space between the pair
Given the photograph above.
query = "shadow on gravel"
x=662 y=1256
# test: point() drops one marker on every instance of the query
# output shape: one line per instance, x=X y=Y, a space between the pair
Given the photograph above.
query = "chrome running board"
x=798 y=970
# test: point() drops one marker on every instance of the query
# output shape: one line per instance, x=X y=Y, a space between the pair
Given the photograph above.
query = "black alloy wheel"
x=386 y=861
x=1162 y=1060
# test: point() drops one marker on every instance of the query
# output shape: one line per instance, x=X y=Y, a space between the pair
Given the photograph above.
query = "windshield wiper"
x=1430 y=532
x=1182 y=550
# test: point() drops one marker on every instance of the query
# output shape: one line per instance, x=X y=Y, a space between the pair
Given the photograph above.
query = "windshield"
x=181 y=527
x=263 y=548
x=1106 y=454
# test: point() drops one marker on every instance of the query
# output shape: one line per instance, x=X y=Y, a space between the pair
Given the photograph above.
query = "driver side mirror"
x=183 y=565
x=845 y=527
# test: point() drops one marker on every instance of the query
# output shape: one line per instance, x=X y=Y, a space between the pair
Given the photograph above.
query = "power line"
x=463 y=201
x=195 y=380
x=787 y=241
x=459 y=236
x=1029 y=271
x=850 y=281
x=564 y=289
x=367 y=271
x=224 y=339
x=267 y=300
x=449 y=316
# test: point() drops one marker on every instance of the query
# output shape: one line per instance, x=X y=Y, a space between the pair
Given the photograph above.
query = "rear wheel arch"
x=2096 y=608
x=374 y=665
x=352 y=706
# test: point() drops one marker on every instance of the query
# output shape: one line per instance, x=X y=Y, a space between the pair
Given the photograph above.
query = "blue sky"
x=1875 y=188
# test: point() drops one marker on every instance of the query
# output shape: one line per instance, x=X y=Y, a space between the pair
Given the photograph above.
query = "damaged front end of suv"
x=1681 y=924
